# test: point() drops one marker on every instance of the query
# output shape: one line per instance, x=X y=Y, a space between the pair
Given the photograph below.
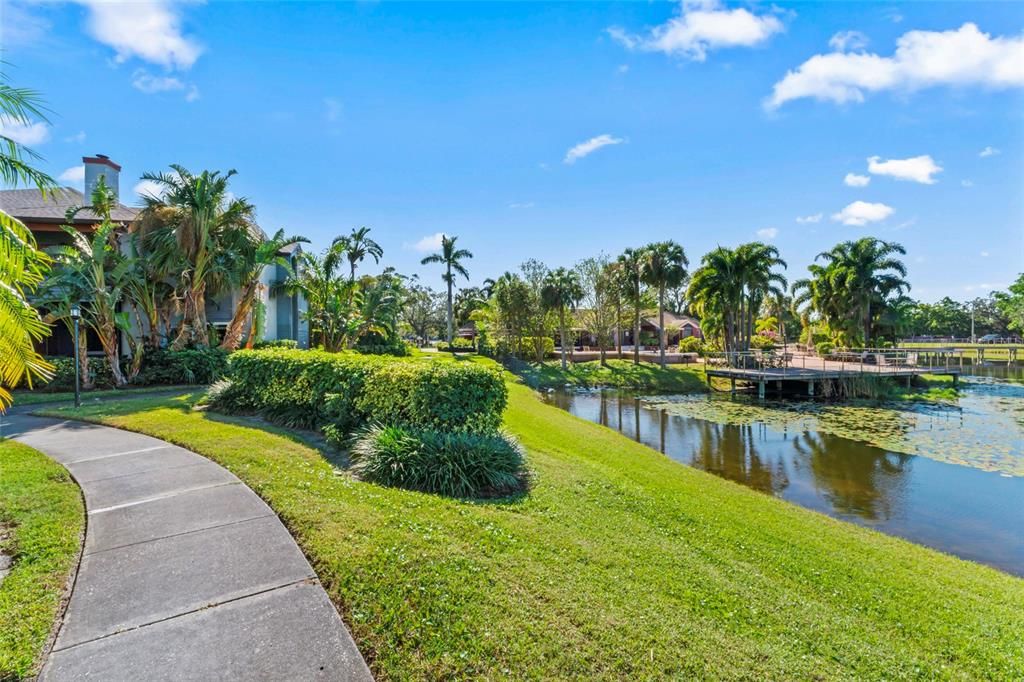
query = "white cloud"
x=967 y=183
x=148 y=188
x=73 y=176
x=848 y=40
x=702 y=25
x=917 y=168
x=149 y=30
x=27 y=134
x=984 y=254
x=332 y=109
x=768 y=233
x=988 y=151
x=20 y=27
x=623 y=68
x=515 y=205
x=816 y=218
x=429 y=243
x=193 y=93
x=854 y=180
x=589 y=147
x=78 y=137
x=984 y=286
x=144 y=81
x=862 y=213
x=922 y=59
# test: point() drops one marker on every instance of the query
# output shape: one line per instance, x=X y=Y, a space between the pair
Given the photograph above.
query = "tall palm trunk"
x=636 y=325
x=193 y=320
x=83 y=356
x=451 y=325
x=618 y=323
x=561 y=329
x=233 y=333
x=661 y=323
x=108 y=339
x=867 y=323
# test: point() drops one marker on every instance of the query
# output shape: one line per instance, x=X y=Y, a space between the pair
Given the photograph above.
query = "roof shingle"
x=30 y=205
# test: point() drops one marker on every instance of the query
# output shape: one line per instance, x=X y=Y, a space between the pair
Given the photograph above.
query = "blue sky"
x=416 y=119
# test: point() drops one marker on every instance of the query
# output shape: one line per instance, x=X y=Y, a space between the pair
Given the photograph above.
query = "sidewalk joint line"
x=121 y=454
x=161 y=497
x=181 y=533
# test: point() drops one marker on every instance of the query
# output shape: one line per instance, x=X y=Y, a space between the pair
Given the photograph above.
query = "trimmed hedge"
x=275 y=343
x=185 y=366
x=317 y=389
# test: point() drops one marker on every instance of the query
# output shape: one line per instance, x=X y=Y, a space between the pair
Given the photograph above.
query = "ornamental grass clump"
x=459 y=464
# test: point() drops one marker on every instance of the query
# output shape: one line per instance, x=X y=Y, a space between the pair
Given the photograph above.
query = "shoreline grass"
x=619 y=564
x=42 y=509
x=680 y=378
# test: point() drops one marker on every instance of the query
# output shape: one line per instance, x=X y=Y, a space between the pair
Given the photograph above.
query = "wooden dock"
x=764 y=370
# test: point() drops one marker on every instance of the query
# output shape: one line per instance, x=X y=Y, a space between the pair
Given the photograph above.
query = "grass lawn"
x=41 y=512
x=993 y=351
x=37 y=397
x=618 y=374
x=619 y=564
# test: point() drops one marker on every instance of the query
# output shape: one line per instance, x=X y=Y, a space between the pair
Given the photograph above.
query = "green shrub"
x=439 y=395
x=275 y=343
x=314 y=389
x=375 y=344
x=186 y=366
x=762 y=342
x=458 y=345
x=453 y=464
x=532 y=344
x=824 y=348
x=64 y=375
x=690 y=344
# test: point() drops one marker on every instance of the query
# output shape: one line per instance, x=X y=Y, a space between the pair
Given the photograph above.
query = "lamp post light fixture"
x=76 y=313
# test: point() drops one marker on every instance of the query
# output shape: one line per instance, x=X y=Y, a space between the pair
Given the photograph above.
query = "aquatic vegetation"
x=983 y=428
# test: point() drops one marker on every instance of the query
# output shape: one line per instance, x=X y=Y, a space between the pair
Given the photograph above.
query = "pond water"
x=949 y=476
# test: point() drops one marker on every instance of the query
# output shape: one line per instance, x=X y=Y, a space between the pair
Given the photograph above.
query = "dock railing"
x=761 y=365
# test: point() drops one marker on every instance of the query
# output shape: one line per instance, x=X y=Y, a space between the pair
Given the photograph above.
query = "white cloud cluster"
x=148 y=188
x=28 y=134
x=768 y=233
x=816 y=218
x=73 y=176
x=589 y=147
x=988 y=151
x=702 y=25
x=147 y=29
x=431 y=242
x=918 y=168
x=862 y=212
x=923 y=59
x=848 y=40
x=854 y=180
x=144 y=81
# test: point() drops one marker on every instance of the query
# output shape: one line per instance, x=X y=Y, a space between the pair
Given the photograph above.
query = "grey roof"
x=30 y=205
x=672 y=321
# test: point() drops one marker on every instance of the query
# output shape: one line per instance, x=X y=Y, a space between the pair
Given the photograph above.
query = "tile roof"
x=30 y=205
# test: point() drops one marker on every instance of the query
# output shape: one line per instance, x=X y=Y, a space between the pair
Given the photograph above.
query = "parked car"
x=989 y=338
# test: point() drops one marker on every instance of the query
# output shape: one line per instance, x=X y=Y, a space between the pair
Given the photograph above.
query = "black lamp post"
x=76 y=313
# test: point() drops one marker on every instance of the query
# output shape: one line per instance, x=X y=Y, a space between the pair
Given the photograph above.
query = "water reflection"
x=965 y=511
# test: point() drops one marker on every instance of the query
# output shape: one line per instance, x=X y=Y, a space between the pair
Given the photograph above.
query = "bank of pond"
x=948 y=475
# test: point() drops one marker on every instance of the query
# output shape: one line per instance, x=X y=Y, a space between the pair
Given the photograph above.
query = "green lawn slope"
x=619 y=564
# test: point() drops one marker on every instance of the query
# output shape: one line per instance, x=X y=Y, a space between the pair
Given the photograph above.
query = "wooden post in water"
x=760 y=390
x=810 y=388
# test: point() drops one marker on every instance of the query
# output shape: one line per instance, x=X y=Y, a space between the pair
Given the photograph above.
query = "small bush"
x=458 y=345
x=186 y=366
x=375 y=344
x=64 y=374
x=762 y=342
x=690 y=344
x=275 y=343
x=453 y=464
x=824 y=348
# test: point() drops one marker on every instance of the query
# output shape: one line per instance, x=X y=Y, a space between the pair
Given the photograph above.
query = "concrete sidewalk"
x=186 y=574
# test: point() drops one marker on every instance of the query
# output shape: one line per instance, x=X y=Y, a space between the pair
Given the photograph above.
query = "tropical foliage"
x=452 y=259
x=22 y=264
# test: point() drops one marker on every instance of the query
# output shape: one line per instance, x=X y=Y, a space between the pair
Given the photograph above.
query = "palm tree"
x=451 y=258
x=254 y=252
x=629 y=270
x=663 y=266
x=561 y=292
x=358 y=246
x=326 y=293
x=94 y=268
x=756 y=263
x=22 y=264
x=187 y=227
x=855 y=283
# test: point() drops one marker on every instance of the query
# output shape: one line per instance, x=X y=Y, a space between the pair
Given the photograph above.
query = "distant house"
x=46 y=216
x=677 y=326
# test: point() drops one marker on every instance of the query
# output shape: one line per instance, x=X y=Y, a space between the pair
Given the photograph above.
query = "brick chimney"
x=101 y=166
